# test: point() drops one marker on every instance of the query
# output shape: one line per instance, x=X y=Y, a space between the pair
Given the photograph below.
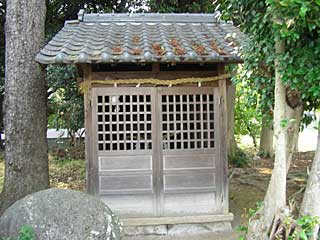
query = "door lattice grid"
x=124 y=122
x=187 y=121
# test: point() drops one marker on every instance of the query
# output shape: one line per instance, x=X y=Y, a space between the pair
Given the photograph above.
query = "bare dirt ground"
x=248 y=185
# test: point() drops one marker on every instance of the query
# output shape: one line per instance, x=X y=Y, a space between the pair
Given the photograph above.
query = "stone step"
x=224 y=236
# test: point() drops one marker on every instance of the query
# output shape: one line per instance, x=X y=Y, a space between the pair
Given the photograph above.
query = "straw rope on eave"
x=86 y=85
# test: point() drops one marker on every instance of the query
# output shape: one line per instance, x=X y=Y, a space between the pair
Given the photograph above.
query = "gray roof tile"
x=110 y=38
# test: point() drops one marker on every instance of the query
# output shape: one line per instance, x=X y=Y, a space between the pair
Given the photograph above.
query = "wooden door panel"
x=126 y=184
x=184 y=204
x=194 y=182
x=125 y=163
x=188 y=161
x=135 y=205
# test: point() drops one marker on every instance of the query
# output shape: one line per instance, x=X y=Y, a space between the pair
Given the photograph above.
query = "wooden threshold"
x=177 y=220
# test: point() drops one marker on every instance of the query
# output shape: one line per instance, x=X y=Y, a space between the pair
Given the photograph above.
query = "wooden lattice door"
x=156 y=149
x=188 y=150
x=123 y=123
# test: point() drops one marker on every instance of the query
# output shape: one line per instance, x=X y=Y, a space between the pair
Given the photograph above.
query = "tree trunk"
x=266 y=140
x=293 y=131
x=231 y=99
x=26 y=158
x=275 y=199
x=310 y=205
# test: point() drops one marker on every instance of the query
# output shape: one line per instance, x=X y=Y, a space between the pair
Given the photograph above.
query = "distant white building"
x=56 y=134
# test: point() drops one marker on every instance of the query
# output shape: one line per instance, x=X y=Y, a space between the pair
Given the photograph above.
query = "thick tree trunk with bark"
x=266 y=139
x=311 y=200
x=231 y=99
x=275 y=199
x=26 y=158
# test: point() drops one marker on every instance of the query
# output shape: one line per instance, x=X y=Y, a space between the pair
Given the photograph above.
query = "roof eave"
x=41 y=60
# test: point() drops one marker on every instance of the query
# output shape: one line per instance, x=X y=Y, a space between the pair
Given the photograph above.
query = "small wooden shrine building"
x=155 y=111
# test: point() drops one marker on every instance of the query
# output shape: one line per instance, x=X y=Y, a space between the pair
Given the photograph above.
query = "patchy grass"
x=64 y=173
x=243 y=198
x=67 y=173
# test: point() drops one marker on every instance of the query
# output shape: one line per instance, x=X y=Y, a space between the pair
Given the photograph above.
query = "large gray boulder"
x=59 y=214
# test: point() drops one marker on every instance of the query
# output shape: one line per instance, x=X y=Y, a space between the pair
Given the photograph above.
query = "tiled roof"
x=111 y=38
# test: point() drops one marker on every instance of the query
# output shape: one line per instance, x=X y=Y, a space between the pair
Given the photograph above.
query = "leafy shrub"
x=26 y=233
x=243 y=230
x=252 y=211
x=304 y=227
x=289 y=229
x=239 y=159
x=70 y=152
x=264 y=154
x=299 y=229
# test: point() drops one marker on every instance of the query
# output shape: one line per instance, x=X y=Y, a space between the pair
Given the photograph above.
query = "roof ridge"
x=148 y=17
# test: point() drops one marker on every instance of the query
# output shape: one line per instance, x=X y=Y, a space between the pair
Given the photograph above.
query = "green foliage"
x=26 y=233
x=253 y=211
x=305 y=224
x=60 y=10
x=65 y=101
x=257 y=74
x=239 y=159
x=248 y=116
x=298 y=24
x=284 y=123
x=244 y=229
x=300 y=229
x=191 y=6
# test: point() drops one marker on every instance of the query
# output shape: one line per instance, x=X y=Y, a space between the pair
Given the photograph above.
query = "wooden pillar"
x=155 y=69
x=91 y=162
x=223 y=148
x=156 y=145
